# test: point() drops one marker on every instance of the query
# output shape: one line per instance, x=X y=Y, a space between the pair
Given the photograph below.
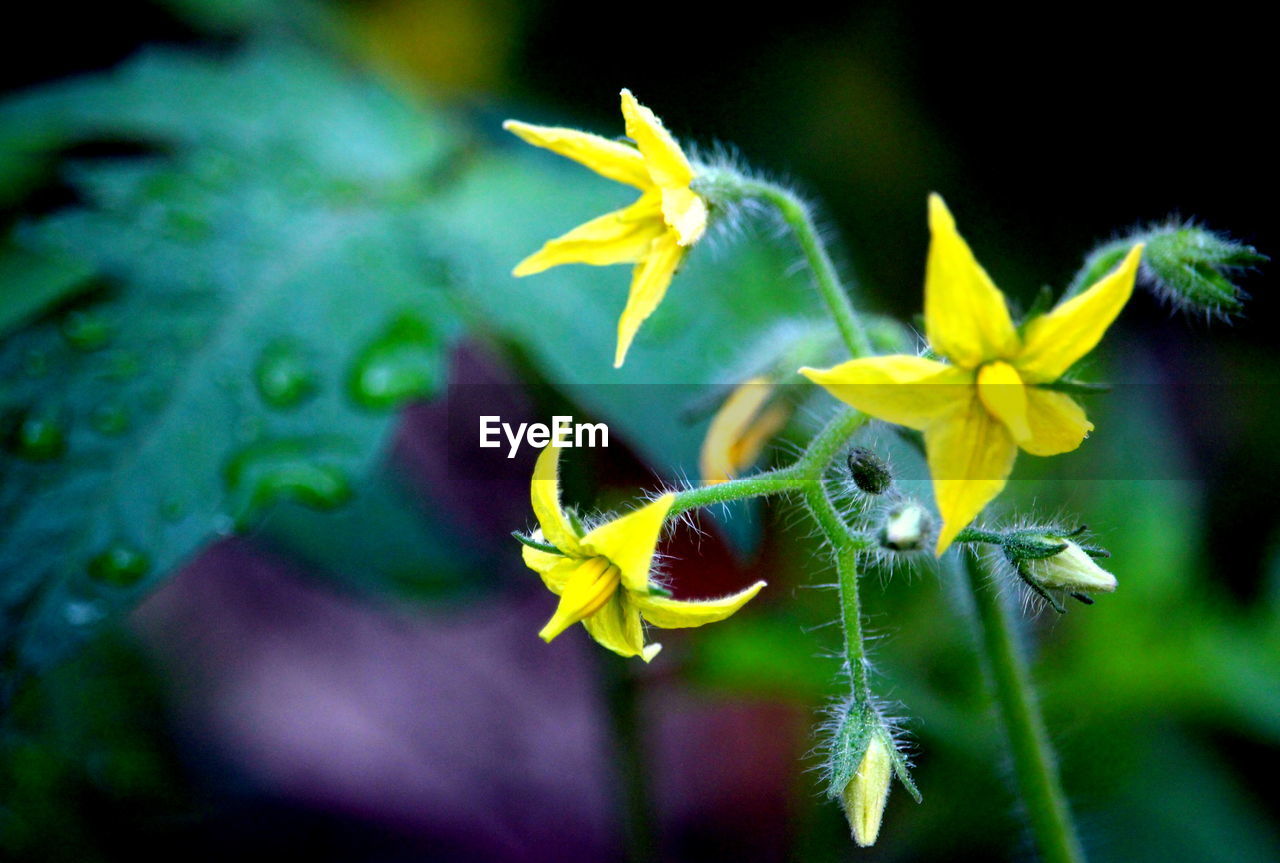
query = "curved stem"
x=1033 y=758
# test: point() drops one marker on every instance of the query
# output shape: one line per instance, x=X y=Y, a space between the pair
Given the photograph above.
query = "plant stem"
x=622 y=691
x=845 y=546
x=796 y=213
x=1034 y=763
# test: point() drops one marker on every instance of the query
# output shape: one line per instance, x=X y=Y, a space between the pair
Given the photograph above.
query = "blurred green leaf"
x=31 y=283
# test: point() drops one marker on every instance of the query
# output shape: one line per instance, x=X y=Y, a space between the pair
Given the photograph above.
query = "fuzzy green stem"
x=845 y=545
x=1034 y=762
x=729 y=186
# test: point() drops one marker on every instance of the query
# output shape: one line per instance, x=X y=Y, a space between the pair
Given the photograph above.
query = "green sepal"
x=575 y=521
x=1042 y=303
x=849 y=745
x=1074 y=387
x=903 y=773
x=658 y=590
x=533 y=543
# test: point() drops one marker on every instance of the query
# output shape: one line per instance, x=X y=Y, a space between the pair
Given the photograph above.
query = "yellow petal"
x=663 y=157
x=589 y=586
x=1005 y=398
x=630 y=541
x=545 y=494
x=555 y=569
x=965 y=315
x=970 y=457
x=1058 y=423
x=1055 y=341
x=611 y=159
x=617 y=626
x=681 y=614
x=649 y=285
x=620 y=237
x=685 y=213
x=731 y=442
x=906 y=390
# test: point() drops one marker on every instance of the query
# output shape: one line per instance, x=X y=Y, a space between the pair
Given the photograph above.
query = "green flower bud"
x=869 y=471
x=1071 y=569
x=865 y=796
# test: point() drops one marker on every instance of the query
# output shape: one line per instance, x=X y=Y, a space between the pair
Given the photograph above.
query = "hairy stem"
x=1034 y=762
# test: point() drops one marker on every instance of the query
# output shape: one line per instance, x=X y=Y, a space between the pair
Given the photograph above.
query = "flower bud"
x=906 y=528
x=869 y=471
x=865 y=796
x=1071 y=569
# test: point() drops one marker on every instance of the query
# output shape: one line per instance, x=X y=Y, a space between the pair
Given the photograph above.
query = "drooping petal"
x=681 y=614
x=620 y=237
x=612 y=159
x=555 y=569
x=589 y=586
x=630 y=541
x=685 y=213
x=617 y=626
x=649 y=285
x=970 y=457
x=1005 y=397
x=906 y=390
x=965 y=315
x=1054 y=341
x=732 y=440
x=663 y=157
x=1058 y=423
x=544 y=492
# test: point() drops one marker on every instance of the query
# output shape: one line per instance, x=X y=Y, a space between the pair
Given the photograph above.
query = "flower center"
x=586 y=592
x=1005 y=397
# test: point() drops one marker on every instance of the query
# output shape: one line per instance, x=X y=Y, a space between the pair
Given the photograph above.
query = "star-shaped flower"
x=990 y=398
x=740 y=430
x=602 y=576
x=653 y=233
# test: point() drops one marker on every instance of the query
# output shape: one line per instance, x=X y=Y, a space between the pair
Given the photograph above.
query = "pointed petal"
x=620 y=237
x=906 y=390
x=589 y=586
x=965 y=315
x=617 y=626
x=726 y=446
x=680 y=614
x=663 y=157
x=1005 y=397
x=1056 y=340
x=555 y=569
x=611 y=159
x=970 y=457
x=649 y=285
x=1058 y=423
x=544 y=493
x=685 y=213
x=629 y=541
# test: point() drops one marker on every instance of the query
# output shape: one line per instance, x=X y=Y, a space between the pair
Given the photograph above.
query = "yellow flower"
x=977 y=410
x=602 y=575
x=740 y=430
x=653 y=233
x=868 y=791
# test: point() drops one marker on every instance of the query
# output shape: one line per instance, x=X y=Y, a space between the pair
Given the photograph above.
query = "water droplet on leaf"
x=86 y=330
x=283 y=375
x=304 y=470
x=38 y=437
x=402 y=364
x=119 y=566
x=110 y=418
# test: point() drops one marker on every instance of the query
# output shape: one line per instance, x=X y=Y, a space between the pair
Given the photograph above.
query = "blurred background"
x=258 y=600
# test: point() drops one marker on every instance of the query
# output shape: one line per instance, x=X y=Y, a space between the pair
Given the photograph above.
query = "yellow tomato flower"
x=653 y=233
x=602 y=575
x=740 y=430
x=977 y=410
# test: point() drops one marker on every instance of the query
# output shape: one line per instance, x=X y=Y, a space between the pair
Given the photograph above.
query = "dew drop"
x=283 y=376
x=303 y=470
x=110 y=418
x=38 y=437
x=86 y=330
x=120 y=565
x=83 y=613
x=402 y=364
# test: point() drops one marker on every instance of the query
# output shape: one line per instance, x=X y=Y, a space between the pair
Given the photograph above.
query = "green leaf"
x=31 y=283
x=266 y=306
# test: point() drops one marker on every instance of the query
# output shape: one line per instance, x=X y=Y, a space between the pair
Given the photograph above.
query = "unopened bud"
x=1071 y=569
x=869 y=471
x=865 y=796
x=906 y=528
